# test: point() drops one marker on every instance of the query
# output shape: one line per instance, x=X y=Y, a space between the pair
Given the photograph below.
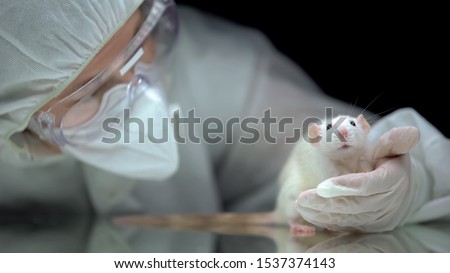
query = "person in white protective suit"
x=77 y=77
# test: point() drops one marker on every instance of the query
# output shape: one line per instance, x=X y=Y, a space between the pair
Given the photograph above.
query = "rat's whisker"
x=362 y=112
x=353 y=106
x=378 y=115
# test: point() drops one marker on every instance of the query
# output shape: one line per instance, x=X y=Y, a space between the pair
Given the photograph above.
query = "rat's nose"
x=343 y=132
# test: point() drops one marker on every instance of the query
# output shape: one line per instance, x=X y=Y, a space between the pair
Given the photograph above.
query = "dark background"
x=381 y=56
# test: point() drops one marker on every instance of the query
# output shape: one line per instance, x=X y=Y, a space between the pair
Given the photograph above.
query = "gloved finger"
x=341 y=221
x=374 y=219
x=381 y=180
x=309 y=201
x=397 y=141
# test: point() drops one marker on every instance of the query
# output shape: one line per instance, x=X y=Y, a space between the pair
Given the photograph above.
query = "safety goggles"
x=159 y=28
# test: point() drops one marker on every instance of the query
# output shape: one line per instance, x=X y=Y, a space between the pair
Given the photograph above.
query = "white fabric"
x=222 y=70
x=44 y=46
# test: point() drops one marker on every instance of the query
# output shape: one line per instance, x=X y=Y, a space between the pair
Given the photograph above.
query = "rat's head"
x=341 y=138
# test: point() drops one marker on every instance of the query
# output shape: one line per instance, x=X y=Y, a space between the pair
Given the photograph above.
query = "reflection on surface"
x=43 y=233
x=433 y=237
x=81 y=234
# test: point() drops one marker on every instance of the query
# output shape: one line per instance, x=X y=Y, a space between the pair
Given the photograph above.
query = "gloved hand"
x=376 y=201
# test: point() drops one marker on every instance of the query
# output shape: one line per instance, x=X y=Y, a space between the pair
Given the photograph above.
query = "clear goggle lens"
x=138 y=69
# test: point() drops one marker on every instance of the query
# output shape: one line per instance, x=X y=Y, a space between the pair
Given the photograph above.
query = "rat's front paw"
x=298 y=230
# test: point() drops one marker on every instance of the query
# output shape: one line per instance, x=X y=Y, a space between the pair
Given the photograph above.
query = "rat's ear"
x=314 y=132
x=363 y=122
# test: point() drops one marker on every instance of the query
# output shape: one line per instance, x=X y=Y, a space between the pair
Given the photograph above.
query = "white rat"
x=327 y=150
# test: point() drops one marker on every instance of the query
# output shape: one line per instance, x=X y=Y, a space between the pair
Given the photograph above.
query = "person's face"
x=109 y=52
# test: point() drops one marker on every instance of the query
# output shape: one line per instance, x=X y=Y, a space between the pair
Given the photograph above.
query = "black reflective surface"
x=69 y=233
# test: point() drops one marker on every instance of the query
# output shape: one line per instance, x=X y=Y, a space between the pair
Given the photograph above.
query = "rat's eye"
x=352 y=123
x=329 y=126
